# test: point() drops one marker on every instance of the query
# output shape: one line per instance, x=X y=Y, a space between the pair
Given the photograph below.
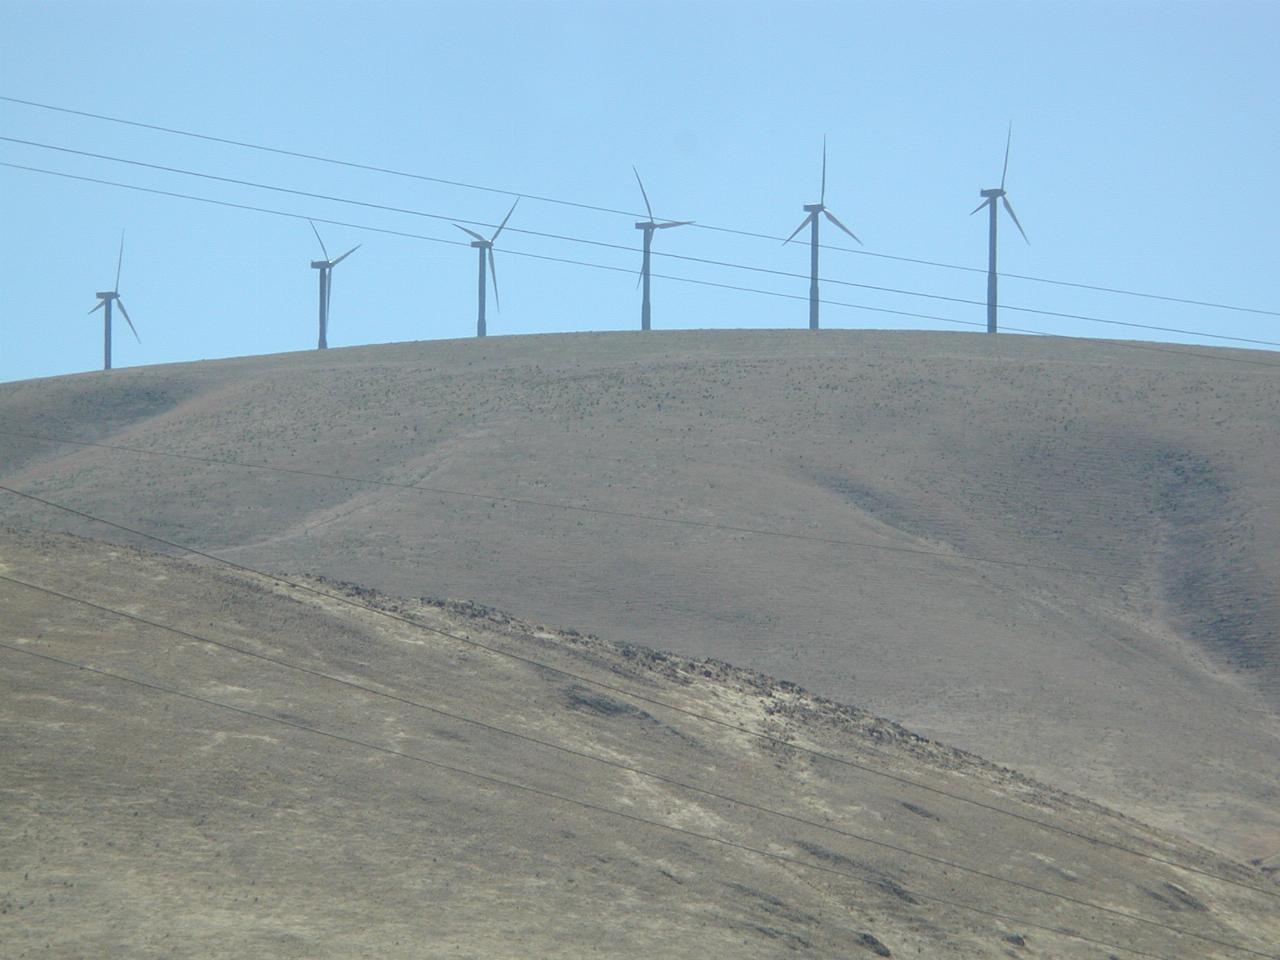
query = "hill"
x=256 y=768
x=1058 y=555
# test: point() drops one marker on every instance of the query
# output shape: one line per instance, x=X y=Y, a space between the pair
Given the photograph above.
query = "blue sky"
x=1144 y=157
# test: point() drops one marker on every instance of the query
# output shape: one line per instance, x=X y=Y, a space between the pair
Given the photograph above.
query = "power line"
x=1180 y=349
x=625 y=213
x=655 y=701
x=1151 y=345
x=463 y=243
x=730 y=287
x=619 y=765
x=899 y=291
x=585 y=804
x=310 y=156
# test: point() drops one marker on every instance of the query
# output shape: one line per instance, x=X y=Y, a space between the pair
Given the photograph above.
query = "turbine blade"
x=493 y=272
x=640 y=274
x=803 y=223
x=499 y=230
x=672 y=223
x=101 y=304
x=1007 y=142
x=119 y=262
x=472 y=232
x=823 y=197
x=345 y=255
x=642 y=193
x=317 y=233
x=832 y=217
x=120 y=304
x=979 y=206
x=1008 y=206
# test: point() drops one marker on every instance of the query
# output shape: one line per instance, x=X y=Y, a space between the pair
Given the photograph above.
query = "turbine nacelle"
x=814 y=212
x=485 y=246
x=992 y=194
x=325 y=267
x=480 y=242
x=651 y=224
x=330 y=264
x=989 y=200
x=814 y=209
x=105 y=299
x=992 y=199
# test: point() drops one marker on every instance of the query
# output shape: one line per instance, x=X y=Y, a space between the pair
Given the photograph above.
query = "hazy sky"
x=1144 y=157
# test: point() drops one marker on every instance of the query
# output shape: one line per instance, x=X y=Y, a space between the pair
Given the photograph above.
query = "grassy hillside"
x=1125 y=645
x=141 y=823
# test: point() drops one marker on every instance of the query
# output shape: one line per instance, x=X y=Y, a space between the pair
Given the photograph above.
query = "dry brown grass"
x=137 y=824
x=1146 y=677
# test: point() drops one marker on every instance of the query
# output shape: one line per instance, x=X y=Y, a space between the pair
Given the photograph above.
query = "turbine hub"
x=319 y=264
x=814 y=207
x=481 y=244
x=647 y=225
x=108 y=295
x=994 y=192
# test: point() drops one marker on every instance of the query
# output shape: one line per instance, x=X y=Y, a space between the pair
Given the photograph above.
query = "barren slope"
x=1125 y=647
x=138 y=823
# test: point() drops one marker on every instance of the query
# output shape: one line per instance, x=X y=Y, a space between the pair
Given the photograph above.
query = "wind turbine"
x=990 y=197
x=325 y=267
x=813 y=209
x=648 y=226
x=105 y=299
x=483 y=245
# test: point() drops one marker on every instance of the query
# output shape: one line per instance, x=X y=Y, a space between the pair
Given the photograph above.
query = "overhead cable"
x=610 y=210
x=1124 y=344
x=275 y=188
x=463 y=243
x=1180 y=349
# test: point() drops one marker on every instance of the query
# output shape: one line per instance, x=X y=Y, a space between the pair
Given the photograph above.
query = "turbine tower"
x=486 y=246
x=813 y=209
x=648 y=226
x=105 y=299
x=990 y=198
x=325 y=267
